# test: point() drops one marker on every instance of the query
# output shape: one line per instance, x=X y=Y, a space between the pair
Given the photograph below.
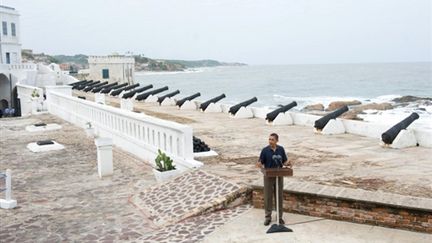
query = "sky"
x=248 y=31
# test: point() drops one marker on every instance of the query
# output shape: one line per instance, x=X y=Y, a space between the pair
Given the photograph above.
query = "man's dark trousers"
x=269 y=193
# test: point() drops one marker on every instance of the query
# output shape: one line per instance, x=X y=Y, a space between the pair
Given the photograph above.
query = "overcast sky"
x=250 y=31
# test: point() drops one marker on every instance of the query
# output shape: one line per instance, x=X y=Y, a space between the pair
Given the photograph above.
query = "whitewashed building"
x=13 y=71
x=112 y=68
x=10 y=46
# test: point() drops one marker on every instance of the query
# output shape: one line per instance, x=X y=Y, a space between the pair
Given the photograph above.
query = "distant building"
x=113 y=68
x=10 y=47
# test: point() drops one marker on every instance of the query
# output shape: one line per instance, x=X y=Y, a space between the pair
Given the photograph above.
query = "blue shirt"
x=273 y=159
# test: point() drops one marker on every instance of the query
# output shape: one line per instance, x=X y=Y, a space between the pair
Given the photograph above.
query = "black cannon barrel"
x=191 y=97
x=388 y=136
x=233 y=109
x=98 y=89
x=320 y=123
x=145 y=95
x=82 y=86
x=133 y=92
x=272 y=115
x=91 y=85
x=205 y=104
x=108 y=89
x=76 y=86
x=118 y=91
x=169 y=95
x=77 y=83
x=94 y=86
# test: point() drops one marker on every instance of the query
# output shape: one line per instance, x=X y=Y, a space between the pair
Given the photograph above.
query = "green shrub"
x=164 y=162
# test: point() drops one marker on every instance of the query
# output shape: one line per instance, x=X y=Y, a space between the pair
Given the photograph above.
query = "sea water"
x=308 y=84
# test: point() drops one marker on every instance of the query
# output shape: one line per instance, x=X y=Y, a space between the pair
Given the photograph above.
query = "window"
x=105 y=73
x=13 y=29
x=4 y=25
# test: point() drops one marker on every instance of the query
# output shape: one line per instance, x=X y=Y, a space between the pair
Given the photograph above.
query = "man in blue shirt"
x=272 y=156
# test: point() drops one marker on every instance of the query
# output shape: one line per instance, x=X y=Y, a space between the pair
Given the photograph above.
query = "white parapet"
x=8 y=202
x=260 y=112
x=189 y=105
x=225 y=108
x=406 y=138
x=282 y=119
x=168 y=102
x=35 y=148
x=139 y=134
x=243 y=112
x=213 y=108
x=48 y=127
x=104 y=156
x=205 y=154
x=334 y=126
x=151 y=99
x=127 y=104
x=100 y=98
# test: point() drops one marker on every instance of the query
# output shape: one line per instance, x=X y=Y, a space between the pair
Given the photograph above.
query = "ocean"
x=308 y=84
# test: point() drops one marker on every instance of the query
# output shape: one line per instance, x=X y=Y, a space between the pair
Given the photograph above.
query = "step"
x=193 y=193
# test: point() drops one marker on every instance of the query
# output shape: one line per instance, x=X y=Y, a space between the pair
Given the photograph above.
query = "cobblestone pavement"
x=61 y=198
x=187 y=195
x=196 y=228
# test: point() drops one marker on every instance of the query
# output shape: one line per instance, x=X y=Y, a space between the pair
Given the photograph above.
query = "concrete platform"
x=344 y=160
x=249 y=227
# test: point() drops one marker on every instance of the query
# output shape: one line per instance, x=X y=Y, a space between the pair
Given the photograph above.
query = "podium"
x=277 y=172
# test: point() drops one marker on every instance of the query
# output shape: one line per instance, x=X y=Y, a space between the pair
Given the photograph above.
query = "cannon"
x=108 y=89
x=205 y=104
x=182 y=101
x=272 y=115
x=388 y=136
x=77 y=83
x=145 y=95
x=82 y=86
x=233 y=109
x=94 y=86
x=118 y=91
x=133 y=92
x=169 y=95
x=89 y=85
x=322 y=122
x=98 y=89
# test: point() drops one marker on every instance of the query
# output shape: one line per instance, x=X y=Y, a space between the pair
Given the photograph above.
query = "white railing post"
x=8 y=202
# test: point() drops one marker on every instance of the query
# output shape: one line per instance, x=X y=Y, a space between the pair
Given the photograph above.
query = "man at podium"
x=272 y=156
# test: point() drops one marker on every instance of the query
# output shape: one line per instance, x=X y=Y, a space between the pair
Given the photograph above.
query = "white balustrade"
x=136 y=133
x=30 y=102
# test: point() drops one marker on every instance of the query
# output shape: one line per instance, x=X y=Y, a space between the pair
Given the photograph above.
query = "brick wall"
x=351 y=210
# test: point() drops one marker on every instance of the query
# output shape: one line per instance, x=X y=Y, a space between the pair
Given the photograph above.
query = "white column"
x=8 y=202
x=104 y=156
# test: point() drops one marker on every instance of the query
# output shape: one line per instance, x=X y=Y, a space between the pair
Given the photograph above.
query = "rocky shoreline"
x=357 y=107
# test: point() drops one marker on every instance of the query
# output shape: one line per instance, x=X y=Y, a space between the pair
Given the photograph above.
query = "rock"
x=315 y=107
x=409 y=98
x=374 y=106
x=351 y=115
x=339 y=104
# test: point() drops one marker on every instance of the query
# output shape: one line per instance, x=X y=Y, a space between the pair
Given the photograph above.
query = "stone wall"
x=352 y=210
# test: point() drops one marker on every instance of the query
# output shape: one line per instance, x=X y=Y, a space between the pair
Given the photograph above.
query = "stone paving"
x=195 y=229
x=61 y=198
x=189 y=194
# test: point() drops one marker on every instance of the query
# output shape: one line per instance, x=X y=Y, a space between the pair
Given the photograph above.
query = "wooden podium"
x=277 y=172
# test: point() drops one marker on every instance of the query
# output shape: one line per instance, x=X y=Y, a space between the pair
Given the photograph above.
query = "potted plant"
x=165 y=168
x=35 y=94
x=89 y=130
